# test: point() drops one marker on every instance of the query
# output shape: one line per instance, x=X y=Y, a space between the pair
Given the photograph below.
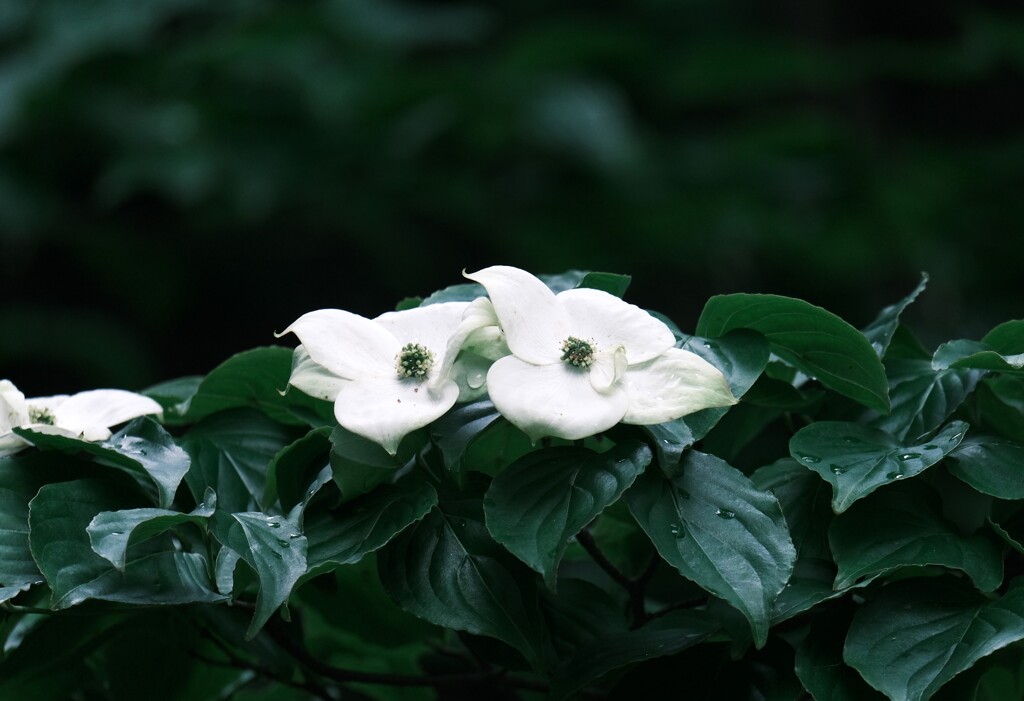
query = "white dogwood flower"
x=88 y=415
x=584 y=360
x=387 y=376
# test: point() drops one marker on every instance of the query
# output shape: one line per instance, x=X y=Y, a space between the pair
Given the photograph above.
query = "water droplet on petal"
x=475 y=379
x=725 y=513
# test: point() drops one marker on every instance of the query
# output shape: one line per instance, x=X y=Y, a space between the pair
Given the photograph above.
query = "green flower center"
x=577 y=352
x=414 y=361
x=40 y=415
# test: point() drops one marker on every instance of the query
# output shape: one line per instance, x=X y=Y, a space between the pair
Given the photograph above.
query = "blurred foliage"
x=179 y=179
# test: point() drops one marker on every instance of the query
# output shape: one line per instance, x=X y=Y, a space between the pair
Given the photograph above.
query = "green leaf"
x=880 y=331
x=856 y=460
x=543 y=499
x=111 y=532
x=464 y=292
x=815 y=341
x=903 y=526
x=143 y=449
x=1001 y=405
x=360 y=465
x=819 y=663
x=230 y=453
x=612 y=283
x=1011 y=530
x=922 y=398
x=295 y=466
x=741 y=355
x=990 y=464
x=809 y=585
x=976 y=355
x=804 y=499
x=174 y=397
x=348 y=533
x=21 y=476
x=277 y=551
x=58 y=517
x=1007 y=338
x=717 y=529
x=454 y=431
x=447 y=570
x=252 y=379
x=667 y=635
x=917 y=634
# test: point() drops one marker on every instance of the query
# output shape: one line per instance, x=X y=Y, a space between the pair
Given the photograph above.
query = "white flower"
x=387 y=376
x=583 y=360
x=87 y=415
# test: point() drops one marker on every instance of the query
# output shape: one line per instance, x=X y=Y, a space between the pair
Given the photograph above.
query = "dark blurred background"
x=181 y=178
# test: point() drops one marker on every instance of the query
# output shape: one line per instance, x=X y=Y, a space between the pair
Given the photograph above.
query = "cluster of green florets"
x=41 y=415
x=577 y=352
x=414 y=361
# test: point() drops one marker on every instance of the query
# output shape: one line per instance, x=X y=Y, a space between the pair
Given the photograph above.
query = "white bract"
x=86 y=415
x=391 y=375
x=584 y=360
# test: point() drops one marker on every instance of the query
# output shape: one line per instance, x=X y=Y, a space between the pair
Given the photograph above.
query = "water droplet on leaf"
x=725 y=513
x=677 y=530
x=808 y=458
x=909 y=456
x=838 y=469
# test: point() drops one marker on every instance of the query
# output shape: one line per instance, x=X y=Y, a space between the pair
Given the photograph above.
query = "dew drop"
x=909 y=456
x=954 y=438
x=677 y=530
x=273 y=524
x=283 y=543
x=808 y=458
x=838 y=469
x=462 y=524
x=894 y=476
x=475 y=380
x=725 y=513
x=931 y=446
x=293 y=536
x=117 y=533
x=277 y=555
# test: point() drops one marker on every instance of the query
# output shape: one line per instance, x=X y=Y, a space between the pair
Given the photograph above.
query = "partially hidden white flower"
x=584 y=360
x=390 y=375
x=87 y=415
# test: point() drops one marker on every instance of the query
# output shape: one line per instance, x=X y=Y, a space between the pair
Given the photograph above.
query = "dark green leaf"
x=230 y=453
x=976 y=355
x=359 y=464
x=922 y=398
x=880 y=331
x=454 y=431
x=346 y=534
x=111 y=532
x=717 y=529
x=543 y=499
x=804 y=499
x=990 y=464
x=903 y=526
x=1011 y=530
x=58 y=518
x=810 y=585
x=143 y=449
x=813 y=340
x=856 y=460
x=447 y=570
x=277 y=551
x=663 y=636
x=820 y=667
x=741 y=355
x=174 y=397
x=1007 y=338
x=917 y=634
x=579 y=615
x=612 y=283
x=464 y=292
x=296 y=466
x=1001 y=405
x=563 y=281
x=253 y=379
